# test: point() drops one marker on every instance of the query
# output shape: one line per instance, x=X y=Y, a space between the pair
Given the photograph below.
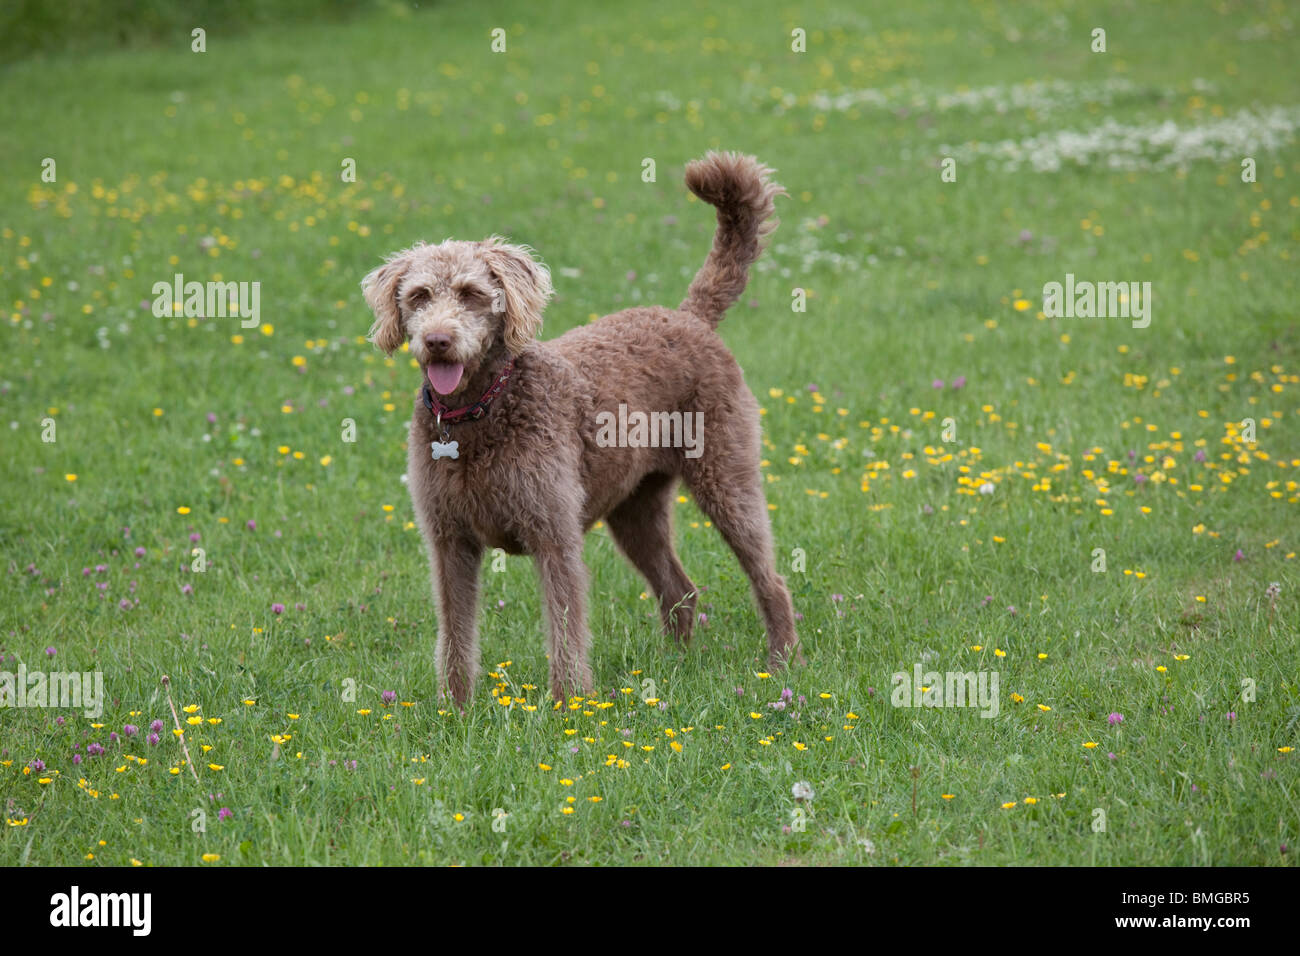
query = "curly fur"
x=531 y=477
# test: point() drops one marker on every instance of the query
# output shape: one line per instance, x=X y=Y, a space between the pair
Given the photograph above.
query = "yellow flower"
x=543 y=767
x=182 y=510
x=1008 y=806
x=1091 y=745
x=947 y=796
x=1044 y=708
x=1284 y=750
x=216 y=766
x=211 y=857
x=799 y=746
x=1031 y=800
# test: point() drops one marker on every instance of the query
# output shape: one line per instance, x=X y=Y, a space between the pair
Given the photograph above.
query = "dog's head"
x=457 y=304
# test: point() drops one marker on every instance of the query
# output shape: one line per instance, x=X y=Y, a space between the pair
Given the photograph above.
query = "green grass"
x=162 y=153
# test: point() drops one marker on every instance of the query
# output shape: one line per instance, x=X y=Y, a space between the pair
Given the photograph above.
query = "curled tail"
x=738 y=186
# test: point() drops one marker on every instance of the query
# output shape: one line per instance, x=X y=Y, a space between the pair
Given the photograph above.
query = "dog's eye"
x=472 y=293
x=418 y=298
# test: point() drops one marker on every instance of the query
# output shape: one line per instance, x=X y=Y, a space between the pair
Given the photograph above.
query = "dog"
x=507 y=449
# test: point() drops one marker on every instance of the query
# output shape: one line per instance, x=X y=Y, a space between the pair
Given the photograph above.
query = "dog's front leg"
x=456 y=570
x=564 y=587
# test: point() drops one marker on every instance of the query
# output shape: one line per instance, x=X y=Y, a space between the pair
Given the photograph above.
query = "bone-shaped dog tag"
x=448 y=449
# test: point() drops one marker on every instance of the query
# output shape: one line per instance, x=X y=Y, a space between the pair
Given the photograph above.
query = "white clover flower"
x=1139 y=146
x=802 y=791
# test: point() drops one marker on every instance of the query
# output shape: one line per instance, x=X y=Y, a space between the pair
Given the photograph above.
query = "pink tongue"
x=445 y=376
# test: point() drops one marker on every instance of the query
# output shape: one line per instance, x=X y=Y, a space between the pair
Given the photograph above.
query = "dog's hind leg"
x=642 y=527
x=728 y=488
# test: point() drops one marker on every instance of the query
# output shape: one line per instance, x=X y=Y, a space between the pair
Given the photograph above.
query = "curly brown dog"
x=512 y=443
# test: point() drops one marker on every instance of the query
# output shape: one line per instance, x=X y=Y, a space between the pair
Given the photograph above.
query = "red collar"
x=468 y=412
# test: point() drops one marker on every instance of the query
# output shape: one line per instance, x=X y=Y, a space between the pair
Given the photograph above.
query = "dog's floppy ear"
x=527 y=286
x=380 y=290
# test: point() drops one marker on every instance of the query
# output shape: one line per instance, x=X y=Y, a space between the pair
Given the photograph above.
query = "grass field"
x=1149 y=695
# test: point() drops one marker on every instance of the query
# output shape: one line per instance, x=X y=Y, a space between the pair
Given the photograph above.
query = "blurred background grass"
x=37 y=28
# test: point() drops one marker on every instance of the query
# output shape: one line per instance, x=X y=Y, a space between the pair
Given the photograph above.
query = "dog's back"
x=653 y=373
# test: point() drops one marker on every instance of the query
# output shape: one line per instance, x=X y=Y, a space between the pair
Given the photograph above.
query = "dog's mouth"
x=445 y=376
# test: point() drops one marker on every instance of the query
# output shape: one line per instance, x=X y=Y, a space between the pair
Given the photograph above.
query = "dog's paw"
x=788 y=657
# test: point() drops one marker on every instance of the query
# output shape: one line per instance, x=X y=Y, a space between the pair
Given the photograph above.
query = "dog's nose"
x=437 y=342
